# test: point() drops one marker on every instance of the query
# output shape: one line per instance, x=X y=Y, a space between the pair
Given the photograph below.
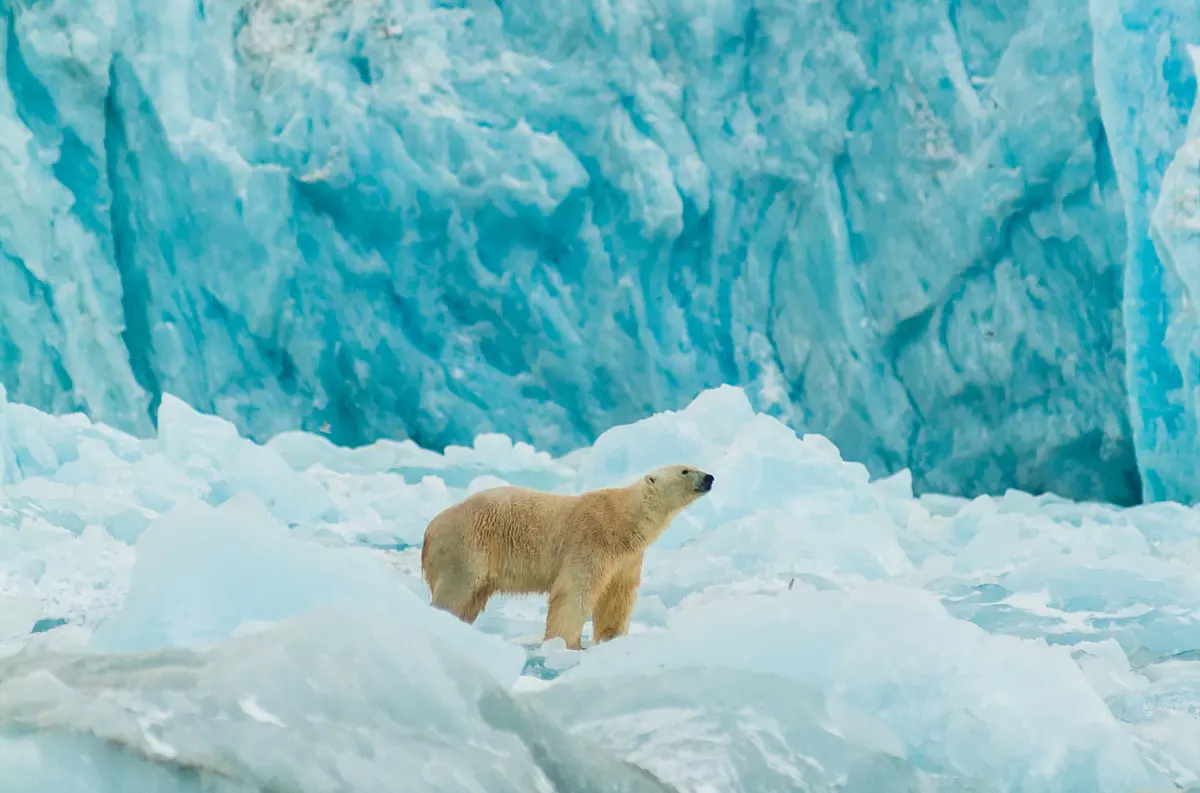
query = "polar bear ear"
x=650 y=479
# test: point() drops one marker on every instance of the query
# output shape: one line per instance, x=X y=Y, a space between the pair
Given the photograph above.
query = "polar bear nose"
x=706 y=483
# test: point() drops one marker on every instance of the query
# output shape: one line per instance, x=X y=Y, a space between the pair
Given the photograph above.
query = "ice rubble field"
x=802 y=628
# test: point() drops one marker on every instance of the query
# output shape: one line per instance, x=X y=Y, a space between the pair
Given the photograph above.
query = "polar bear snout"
x=705 y=484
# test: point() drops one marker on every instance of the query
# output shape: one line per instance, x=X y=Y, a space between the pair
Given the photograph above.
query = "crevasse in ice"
x=199 y=612
x=924 y=231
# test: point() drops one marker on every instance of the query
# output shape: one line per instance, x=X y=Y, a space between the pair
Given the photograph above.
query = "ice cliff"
x=1147 y=86
x=929 y=233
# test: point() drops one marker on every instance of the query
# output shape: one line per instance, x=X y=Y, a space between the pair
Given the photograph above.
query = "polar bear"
x=584 y=551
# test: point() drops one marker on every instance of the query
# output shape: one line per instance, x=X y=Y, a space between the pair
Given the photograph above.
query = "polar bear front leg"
x=613 y=611
x=571 y=597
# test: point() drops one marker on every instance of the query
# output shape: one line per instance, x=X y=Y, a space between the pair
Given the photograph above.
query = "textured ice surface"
x=359 y=702
x=944 y=689
x=168 y=604
x=429 y=219
x=729 y=730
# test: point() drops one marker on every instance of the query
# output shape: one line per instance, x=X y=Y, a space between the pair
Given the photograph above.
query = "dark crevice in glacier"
x=1106 y=180
x=749 y=41
x=123 y=169
x=1105 y=170
x=362 y=67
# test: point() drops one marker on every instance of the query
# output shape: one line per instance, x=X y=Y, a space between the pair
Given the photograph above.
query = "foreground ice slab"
x=803 y=625
x=358 y=702
x=944 y=693
x=409 y=218
x=721 y=729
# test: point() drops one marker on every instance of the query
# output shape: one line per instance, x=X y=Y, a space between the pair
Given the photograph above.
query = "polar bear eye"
x=686 y=471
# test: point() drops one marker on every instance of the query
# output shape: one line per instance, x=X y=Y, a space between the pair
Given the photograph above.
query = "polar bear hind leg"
x=464 y=596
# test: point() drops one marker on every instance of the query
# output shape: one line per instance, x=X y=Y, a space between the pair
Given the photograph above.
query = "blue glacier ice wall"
x=1147 y=85
x=901 y=228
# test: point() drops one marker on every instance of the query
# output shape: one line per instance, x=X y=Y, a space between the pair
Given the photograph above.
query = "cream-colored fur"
x=584 y=551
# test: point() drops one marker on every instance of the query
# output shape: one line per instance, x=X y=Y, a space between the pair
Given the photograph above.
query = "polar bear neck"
x=654 y=514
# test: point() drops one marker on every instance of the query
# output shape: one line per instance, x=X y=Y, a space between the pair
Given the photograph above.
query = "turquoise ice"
x=926 y=230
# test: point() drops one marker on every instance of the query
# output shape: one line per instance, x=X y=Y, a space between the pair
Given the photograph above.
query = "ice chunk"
x=711 y=421
x=960 y=702
x=213 y=451
x=34 y=444
x=429 y=220
x=813 y=537
x=358 y=700
x=456 y=465
x=710 y=729
x=758 y=462
x=79 y=577
x=202 y=573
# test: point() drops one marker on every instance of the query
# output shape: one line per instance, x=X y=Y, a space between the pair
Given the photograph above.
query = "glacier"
x=931 y=233
x=199 y=611
x=1147 y=92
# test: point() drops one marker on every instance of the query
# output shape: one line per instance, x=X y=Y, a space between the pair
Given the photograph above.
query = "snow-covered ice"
x=198 y=612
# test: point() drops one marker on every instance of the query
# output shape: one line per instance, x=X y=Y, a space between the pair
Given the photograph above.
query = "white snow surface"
x=198 y=613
